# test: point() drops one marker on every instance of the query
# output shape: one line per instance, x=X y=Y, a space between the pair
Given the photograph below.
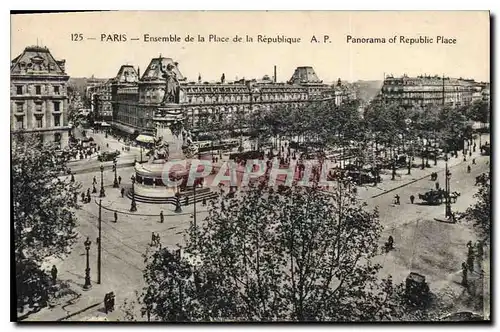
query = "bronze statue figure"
x=171 y=85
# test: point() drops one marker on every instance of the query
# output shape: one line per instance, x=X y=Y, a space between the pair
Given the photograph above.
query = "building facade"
x=38 y=95
x=136 y=98
x=428 y=90
x=99 y=94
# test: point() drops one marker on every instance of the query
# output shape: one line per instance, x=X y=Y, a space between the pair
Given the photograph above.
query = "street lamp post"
x=102 y=193
x=393 y=168
x=87 y=285
x=408 y=123
x=447 y=189
x=115 y=182
x=141 y=154
x=178 y=208
x=133 y=205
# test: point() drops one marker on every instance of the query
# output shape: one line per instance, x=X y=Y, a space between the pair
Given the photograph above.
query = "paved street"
x=422 y=244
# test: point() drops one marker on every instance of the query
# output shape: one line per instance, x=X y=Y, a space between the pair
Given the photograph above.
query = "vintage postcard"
x=261 y=166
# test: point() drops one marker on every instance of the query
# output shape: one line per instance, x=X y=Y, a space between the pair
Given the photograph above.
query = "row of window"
x=22 y=89
x=38 y=106
x=20 y=123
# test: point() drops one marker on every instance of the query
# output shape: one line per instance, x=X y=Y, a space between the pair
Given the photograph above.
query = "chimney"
x=275 y=78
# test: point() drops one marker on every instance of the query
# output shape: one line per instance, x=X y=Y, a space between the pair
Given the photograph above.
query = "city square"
x=154 y=196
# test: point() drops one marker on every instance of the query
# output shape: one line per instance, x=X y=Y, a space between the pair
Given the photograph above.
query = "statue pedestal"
x=167 y=116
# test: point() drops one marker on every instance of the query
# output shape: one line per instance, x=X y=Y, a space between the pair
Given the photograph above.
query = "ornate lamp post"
x=393 y=168
x=87 y=285
x=133 y=205
x=408 y=123
x=178 y=208
x=115 y=182
x=101 y=192
x=448 y=213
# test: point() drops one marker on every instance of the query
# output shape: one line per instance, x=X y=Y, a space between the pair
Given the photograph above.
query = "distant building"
x=428 y=90
x=38 y=95
x=136 y=98
x=99 y=94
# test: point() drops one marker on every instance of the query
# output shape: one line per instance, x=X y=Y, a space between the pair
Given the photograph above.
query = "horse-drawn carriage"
x=433 y=197
x=436 y=197
x=417 y=290
x=486 y=149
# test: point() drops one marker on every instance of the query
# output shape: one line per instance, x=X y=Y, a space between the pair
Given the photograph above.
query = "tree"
x=480 y=212
x=43 y=213
x=296 y=253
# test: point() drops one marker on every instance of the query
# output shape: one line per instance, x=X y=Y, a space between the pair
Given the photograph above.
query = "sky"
x=336 y=58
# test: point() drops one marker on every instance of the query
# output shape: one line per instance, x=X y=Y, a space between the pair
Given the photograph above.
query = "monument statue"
x=188 y=147
x=172 y=86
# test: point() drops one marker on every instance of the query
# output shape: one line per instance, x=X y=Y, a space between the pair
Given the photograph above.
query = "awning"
x=105 y=124
x=145 y=139
x=124 y=128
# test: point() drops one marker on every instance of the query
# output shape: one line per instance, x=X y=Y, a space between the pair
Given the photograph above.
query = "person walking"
x=470 y=256
x=412 y=199
x=119 y=180
x=396 y=198
x=53 y=273
x=464 y=274
x=122 y=191
x=161 y=217
x=116 y=217
x=94 y=181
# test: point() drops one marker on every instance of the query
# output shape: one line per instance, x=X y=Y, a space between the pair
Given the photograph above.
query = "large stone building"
x=38 y=95
x=99 y=95
x=428 y=90
x=136 y=98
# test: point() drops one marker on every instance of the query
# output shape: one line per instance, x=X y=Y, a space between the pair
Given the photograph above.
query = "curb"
x=146 y=215
x=79 y=312
x=97 y=168
x=408 y=183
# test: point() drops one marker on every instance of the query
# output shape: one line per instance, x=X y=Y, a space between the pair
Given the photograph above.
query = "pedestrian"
x=470 y=256
x=396 y=197
x=412 y=199
x=116 y=217
x=470 y=153
x=94 y=180
x=390 y=243
x=72 y=178
x=473 y=161
x=464 y=274
x=437 y=185
x=161 y=217
x=88 y=192
x=122 y=191
x=53 y=273
x=119 y=180
x=75 y=197
x=107 y=145
x=83 y=197
x=468 y=168
x=153 y=238
x=479 y=249
x=204 y=202
x=465 y=158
